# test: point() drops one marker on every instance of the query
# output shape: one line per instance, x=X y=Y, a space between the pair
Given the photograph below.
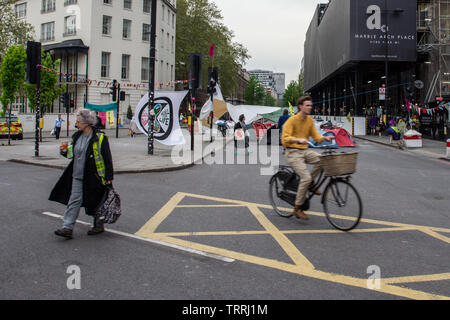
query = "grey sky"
x=273 y=31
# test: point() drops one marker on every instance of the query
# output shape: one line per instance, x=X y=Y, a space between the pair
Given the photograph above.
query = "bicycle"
x=341 y=201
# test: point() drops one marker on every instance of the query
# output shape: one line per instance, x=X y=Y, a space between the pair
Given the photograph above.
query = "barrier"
x=448 y=148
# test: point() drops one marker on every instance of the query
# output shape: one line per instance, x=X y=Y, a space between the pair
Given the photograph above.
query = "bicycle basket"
x=339 y=164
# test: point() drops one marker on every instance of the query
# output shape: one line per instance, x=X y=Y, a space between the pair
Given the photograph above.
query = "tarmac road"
x=249 y=254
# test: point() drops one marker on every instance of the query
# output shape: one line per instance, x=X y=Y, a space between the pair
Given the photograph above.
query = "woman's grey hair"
x=88 y=117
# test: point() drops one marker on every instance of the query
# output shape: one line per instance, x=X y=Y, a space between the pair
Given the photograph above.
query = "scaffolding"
x=433 y=30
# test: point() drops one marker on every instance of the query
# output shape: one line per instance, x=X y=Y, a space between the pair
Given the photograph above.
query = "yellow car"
x=16 y=128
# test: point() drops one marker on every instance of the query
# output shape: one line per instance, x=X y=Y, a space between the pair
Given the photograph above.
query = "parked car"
x=16 y=128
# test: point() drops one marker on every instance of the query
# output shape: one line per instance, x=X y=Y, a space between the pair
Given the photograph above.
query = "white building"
x=102 y=40
x=274 y=83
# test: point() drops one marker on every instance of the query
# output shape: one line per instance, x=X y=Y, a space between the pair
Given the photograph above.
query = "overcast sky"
x=273 y=31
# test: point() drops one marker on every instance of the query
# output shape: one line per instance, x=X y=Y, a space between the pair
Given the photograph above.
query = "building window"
x=70 y=25
x=107 y=2
x=163 y=12
x=173 y=20
x=125 y=66
x=145 y=32
x=146 y=4
x=48 y=31
x=162 y=38
x=127 y=4
x=21 y=10
x=172 y=44
x=145 y=69
x=126 y=34
x=48 y=6
x=106 y=58
x=168 y=39
x=107 y=20
x=69 y=2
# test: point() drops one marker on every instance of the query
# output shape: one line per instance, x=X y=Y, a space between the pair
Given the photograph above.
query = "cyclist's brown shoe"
x=299 y=214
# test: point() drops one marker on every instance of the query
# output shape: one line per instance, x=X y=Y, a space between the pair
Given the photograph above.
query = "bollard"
x=448 y=148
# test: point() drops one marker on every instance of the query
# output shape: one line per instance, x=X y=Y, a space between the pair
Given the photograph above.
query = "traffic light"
x=213 y=77
x=195 y=72
x=33 y=59
x=113 y=91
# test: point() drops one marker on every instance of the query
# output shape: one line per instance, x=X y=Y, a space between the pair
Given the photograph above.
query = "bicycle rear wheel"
x=342 y=205
x=276 y=195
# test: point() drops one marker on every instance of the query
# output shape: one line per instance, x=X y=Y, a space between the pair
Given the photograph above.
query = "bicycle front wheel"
x=342 y=205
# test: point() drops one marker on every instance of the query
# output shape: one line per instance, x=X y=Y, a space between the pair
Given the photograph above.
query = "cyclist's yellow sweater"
x=297 y=127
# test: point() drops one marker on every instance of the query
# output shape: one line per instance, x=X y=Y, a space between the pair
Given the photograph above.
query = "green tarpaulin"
x=274 y=116
x=101 y=108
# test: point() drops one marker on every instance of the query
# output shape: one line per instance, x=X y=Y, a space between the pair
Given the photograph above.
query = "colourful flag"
x=211 y=51
x=291 y=109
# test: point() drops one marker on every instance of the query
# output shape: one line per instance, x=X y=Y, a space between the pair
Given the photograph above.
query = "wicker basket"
x=339 y=164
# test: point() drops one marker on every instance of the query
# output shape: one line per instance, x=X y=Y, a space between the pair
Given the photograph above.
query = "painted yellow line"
x=370 y=221
x=307 y=272
x=151 y=226
x=291 y=250
x=213 y=206
x=302 y=265
x=413 y=279
x=212 y=233
x=435 y=235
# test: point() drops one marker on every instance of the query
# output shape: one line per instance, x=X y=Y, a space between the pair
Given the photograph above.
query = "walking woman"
x=85 y=180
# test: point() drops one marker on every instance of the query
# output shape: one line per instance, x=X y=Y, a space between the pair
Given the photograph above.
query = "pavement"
x=431 y=148
x=130 y=155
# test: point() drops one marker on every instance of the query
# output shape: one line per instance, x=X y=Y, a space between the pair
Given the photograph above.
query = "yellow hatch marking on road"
x=301 y=265
x=291 y=250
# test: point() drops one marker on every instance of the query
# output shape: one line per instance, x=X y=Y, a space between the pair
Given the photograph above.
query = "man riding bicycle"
x=296 y=133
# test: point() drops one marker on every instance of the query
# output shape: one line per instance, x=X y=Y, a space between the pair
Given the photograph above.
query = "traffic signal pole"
x=151 y=80
x=118 y=110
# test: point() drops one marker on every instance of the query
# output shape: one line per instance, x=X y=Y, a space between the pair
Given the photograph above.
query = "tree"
x=49 y=79
x=292 y=94
x=269 y=101
x=199 y=25
x=129 y=113
x=12 y=75
x=13 y=30
x=254 y=93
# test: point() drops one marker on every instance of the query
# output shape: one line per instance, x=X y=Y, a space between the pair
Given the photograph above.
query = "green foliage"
x=254 y=93
x=129 y=113
x=270 y=101
x=199 y=25
x=13 y=31
x=294 y=91
x=12 y=75
x=49 y=90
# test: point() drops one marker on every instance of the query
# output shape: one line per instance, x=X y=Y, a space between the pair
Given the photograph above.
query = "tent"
x=343 y=138
x=275 y=116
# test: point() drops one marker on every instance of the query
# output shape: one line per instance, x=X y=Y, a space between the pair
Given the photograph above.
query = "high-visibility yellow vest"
x=99 y=162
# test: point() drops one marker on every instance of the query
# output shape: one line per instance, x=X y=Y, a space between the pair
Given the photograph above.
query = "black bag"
x=109 y=209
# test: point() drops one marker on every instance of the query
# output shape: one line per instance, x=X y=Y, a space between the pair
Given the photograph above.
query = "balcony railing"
x=72 y=78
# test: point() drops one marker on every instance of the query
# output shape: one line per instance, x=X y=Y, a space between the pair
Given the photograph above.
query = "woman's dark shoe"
x=65 y=233
x=95 y=231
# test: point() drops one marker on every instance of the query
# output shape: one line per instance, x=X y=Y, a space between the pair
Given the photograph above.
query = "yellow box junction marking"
x=301 y=265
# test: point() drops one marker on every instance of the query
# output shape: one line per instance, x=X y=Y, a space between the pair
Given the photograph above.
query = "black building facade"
x=355 y=47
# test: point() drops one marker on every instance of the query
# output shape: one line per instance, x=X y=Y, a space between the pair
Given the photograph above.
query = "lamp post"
x=151 y=86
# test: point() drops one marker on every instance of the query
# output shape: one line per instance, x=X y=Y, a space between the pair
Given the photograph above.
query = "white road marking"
x=162 y=243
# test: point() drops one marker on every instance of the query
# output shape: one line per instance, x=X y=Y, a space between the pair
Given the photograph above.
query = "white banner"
x=167 y=128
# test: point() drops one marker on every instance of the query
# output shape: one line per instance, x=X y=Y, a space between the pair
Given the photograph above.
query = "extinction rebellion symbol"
x=164 y=118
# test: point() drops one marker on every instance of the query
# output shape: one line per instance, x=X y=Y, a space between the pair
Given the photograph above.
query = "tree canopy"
x=199 y=25
x=12 y=75
x=294 y=91
x=13 y=30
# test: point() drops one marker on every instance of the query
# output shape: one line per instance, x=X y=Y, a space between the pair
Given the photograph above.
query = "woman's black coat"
x=93 y=189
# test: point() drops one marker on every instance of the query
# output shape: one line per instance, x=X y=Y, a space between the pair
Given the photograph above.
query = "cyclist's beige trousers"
x=298 y=159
